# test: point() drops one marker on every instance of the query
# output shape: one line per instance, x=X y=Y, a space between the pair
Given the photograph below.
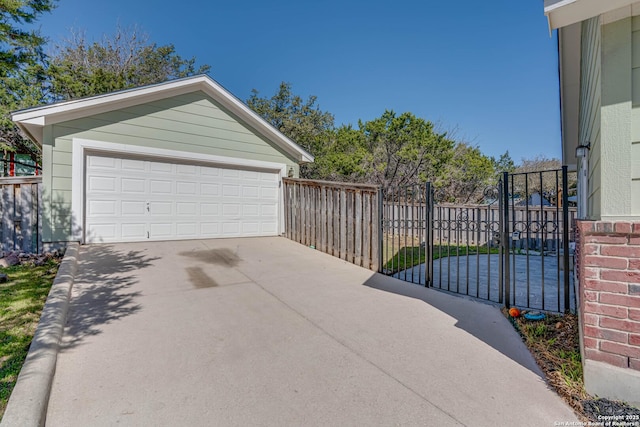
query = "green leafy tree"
x=466 y=175
x=19 y=46
x=404 y=149
x=124 y=60
x=504 y=163
x=299 y=119
x=344 y=156
x=22 y=68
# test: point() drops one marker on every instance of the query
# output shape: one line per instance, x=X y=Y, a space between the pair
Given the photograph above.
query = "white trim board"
x=81 y=146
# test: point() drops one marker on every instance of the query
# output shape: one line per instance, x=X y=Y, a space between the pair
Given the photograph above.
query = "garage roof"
x=33 y=120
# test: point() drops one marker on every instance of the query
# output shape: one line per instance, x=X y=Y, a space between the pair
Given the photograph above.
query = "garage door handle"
x=147 y=206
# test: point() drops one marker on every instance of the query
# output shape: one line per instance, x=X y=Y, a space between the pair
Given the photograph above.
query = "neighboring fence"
x=339 y=219
x=476 y=224
x=20 y=210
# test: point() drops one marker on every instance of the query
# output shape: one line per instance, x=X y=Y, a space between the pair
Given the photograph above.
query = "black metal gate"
x=514 y=249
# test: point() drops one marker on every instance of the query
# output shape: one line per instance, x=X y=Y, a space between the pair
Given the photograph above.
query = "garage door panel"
x=208 y=209
x=102 y=184
x=133 y=185
x=160 y=187
x=229 y=209
x=186 y=188
x=209 y=229
x=102 y=232
x=133 y=165
x=230 y=228
x=97 y=162
x=160 y=167
x=102 y=208
x=269 y=193
x=186 y=169
x=209 y=189
x=139 y=200
x=250 y=210
x=161 y=208
x=269 y=210
x=186 y=229
x=161 y=230
x=250 y=191
x=134 y=231
x=231 y=190
x=129 y=207
x=186 y=208
x=269 y=228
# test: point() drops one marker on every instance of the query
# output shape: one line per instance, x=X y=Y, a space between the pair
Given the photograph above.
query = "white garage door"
x=129 y=200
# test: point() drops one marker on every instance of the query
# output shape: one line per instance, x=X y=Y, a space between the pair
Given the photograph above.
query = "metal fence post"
x=505 y=244
x=565 y=238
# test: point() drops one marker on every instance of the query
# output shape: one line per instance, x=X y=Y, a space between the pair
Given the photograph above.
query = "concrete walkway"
x=268 y=332
x=536 y=281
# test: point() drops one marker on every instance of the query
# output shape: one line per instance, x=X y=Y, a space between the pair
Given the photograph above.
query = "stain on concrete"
x=199 y=278
x=223 y=256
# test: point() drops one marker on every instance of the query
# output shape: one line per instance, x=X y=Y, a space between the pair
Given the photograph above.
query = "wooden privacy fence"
x=20 y=206
x=336 y=218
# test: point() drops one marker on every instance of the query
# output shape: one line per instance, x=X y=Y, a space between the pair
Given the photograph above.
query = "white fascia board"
x=561 y=13
x=32 y=118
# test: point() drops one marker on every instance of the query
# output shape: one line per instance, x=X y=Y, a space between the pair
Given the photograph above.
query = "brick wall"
x=608 y=269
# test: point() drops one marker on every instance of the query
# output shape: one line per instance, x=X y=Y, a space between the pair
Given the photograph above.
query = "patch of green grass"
x=410 y=256
x=22 y=298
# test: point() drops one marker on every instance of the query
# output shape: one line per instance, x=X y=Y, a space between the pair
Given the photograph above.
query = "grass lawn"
x=21 y=300
x=402 y=257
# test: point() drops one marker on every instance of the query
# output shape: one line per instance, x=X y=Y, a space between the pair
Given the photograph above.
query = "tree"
x=124 y=60
x=344 y=156
x=20 y=47
x=503 y=164
x=403 y=150
x=22 y=65
x=300 y=120
x=466 y=175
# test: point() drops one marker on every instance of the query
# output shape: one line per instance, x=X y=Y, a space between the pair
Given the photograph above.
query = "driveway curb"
x=28 y=402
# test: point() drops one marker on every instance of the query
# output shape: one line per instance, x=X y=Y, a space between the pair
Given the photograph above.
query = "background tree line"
x=393 y=149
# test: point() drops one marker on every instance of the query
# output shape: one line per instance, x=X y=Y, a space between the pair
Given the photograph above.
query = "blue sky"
x=487 y=69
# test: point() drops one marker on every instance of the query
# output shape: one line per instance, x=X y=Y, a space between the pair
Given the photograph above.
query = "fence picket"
x=339 y=219
x=20 y=201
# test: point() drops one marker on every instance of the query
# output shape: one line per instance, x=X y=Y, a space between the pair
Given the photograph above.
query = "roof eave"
x=561 y=13
x=33 y=120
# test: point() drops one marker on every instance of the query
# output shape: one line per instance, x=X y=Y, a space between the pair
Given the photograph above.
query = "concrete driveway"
x=265 y=331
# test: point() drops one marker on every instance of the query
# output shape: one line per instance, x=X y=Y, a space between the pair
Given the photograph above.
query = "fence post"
x=379 y=229
x=565 y=237
x=428 y=244
x=505 y=243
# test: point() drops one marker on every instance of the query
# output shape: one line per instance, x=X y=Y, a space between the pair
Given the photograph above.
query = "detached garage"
x=178 y=160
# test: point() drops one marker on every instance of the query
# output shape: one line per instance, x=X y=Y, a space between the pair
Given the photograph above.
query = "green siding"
x=191 y=122
x=590 y=103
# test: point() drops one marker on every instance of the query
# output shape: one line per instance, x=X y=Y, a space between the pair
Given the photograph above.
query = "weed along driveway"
x=264 y=331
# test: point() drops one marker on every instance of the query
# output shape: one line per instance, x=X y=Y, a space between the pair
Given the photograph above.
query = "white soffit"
x=561 y=13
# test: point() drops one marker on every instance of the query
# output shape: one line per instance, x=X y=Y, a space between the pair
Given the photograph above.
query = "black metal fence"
x=515 y=249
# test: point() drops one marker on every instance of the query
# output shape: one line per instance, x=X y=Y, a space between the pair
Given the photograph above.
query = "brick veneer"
x=608 y=269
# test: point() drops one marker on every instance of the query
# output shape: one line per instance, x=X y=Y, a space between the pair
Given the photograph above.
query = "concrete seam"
x=28 y=403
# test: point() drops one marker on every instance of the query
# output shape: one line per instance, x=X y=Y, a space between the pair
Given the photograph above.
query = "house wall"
x=589 y=116
x=191 y=122
x=608 y=256
x=617 y=170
